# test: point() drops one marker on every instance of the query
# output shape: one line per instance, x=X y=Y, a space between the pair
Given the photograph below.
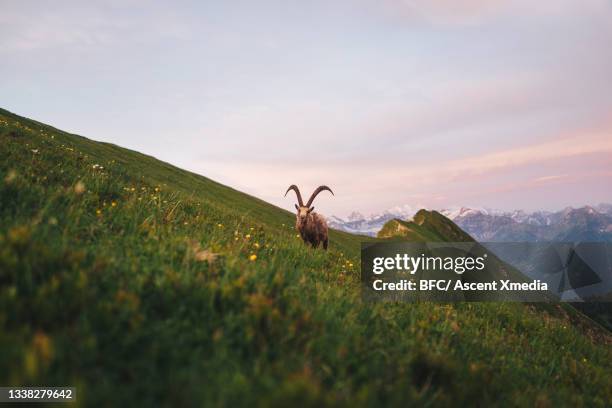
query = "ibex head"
x=303 y=210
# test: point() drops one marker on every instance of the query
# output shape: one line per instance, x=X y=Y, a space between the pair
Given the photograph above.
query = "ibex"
x=311 y=226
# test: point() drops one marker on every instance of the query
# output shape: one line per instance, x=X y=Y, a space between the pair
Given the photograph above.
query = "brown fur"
x=311 y=226
x=312 y=229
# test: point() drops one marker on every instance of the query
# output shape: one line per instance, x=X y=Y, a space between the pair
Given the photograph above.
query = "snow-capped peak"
x=456 y=212
x=355 y=216
x=401 y=211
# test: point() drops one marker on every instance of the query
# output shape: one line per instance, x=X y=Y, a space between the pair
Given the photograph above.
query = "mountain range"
x=570 y=224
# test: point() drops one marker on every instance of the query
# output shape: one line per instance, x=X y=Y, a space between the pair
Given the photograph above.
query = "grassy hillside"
x=140 y=283
x=431 y=226
x=426 y=226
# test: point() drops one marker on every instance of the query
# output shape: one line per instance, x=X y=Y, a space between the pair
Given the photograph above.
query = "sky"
x=434 y=104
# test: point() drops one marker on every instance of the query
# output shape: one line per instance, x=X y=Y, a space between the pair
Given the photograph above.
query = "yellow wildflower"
x=253 y=257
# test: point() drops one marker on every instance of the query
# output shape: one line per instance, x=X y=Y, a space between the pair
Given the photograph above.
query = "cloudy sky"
x=503 y=104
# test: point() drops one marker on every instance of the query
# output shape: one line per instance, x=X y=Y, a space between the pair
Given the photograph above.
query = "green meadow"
x=143 y=284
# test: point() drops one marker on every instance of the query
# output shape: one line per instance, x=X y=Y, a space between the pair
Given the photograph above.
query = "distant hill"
x=431 y=226
x=143 y=284
x=425 y=226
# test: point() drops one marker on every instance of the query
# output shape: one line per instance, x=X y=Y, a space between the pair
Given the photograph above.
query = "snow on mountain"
x=357 y=223
x=404 y=212
x=569 y=224
x=487 y=224
x=456 y=212
x=604 y=208
x=355 y=216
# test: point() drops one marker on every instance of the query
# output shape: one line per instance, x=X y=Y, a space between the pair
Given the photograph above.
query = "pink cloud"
x=369 y=186
x=578 y=145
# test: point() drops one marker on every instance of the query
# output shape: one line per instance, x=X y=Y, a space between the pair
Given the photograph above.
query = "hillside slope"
x=431 y=226
x=142 y=284
x=426 y=226
x=129 y=164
